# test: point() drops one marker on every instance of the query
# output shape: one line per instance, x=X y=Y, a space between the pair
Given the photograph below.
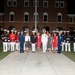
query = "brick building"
x=50 y=14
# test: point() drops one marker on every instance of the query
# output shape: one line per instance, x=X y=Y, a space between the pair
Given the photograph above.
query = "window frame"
x=13 y=3
x=59 y=14
x=45 y=14
x=8 y=3
x=11 y=13
x=44 y=2
x=58 y=4
x=26 y=1
x=26 y=13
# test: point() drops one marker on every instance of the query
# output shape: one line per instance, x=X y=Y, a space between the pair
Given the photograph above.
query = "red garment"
x=55 y=41
x=17 y=38
x=38 y=41
x=12 y=37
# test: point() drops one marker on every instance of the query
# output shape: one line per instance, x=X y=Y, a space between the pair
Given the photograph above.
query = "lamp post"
x=36 y=15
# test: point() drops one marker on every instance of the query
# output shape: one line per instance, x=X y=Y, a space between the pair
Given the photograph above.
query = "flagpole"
x=36 y=15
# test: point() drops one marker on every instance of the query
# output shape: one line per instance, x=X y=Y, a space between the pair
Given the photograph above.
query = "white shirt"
x=27 y=38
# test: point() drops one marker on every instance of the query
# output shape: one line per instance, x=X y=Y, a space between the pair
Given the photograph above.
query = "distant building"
x=50 y=14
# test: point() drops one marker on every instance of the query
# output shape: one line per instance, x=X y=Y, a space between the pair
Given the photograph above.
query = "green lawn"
x=2 y=54
x=71 y=54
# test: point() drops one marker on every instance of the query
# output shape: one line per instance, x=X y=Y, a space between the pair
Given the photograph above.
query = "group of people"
x=20 y=41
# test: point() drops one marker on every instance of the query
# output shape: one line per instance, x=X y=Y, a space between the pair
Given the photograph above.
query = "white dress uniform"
x=44 y=40
x=74 y=42
x=5 y=49
x=67 y=44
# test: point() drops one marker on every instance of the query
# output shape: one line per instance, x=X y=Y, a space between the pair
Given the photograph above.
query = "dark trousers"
x=21 y=47
x=59 y=48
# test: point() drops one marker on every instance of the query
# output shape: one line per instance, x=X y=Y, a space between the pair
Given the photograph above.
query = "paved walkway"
x=36 y=64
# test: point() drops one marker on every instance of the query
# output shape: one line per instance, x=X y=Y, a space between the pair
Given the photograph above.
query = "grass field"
x=3 y=54
x=71 y=54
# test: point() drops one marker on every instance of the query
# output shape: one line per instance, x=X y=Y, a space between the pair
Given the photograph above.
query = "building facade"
x=50 y=14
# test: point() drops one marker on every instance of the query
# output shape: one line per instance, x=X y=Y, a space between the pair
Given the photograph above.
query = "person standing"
x=33 y=41
x=60 y=40
x=21 y=41
x=8 y=43
x=12 y=38
x=5 y=40
x=67 y=44
x=49 y=45
x=38 y=41
x=27 y=41
x=44 y=40
x=55 y=42
x=74 y=42
x=64 y=39
x=17 y=41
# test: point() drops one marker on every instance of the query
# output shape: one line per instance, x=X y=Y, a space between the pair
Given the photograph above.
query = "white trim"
x=70 y=15
x=1 y=14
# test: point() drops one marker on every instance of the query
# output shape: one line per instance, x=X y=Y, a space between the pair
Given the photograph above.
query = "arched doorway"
x=25 y=29
x=46 y=28
x=11 y=28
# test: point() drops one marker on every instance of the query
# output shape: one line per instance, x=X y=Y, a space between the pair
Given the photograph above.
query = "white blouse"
x=27 y=38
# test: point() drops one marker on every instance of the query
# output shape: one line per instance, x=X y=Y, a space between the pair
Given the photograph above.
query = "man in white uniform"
x=44 y=40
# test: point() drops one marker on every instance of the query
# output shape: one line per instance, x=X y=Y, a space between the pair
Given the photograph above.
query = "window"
x=36 y=3
x=45 y=17
x=61 y=4
x=45 y=3
x=59 y=17
x=26 y=16
x=14 y=3
x=26 y=3
x=36 y=17
x=9 y=3
x=56 y=4
x=71 y=19
x=11 y=16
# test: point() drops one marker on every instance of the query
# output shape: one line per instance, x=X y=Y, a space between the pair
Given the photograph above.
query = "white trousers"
x=63 y=46
x=44 y=46
x=74 y=46
x=17 y=46
x=12 y=44
x=8 y=44
x=67 y=47
x=4 y=46
x=33 y=46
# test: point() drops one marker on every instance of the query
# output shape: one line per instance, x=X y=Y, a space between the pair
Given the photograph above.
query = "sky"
x=71 y=5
